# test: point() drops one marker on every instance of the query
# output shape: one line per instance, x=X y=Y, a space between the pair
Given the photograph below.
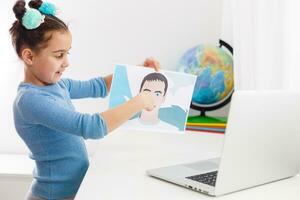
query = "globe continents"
x=214 y=68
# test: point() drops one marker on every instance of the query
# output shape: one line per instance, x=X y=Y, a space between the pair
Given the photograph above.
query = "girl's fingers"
x=151 y=62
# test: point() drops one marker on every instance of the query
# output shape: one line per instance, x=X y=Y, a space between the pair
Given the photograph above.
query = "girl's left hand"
x=152 y=63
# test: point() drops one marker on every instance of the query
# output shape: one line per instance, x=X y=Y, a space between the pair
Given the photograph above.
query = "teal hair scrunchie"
x=32 y=19
x=48 y=8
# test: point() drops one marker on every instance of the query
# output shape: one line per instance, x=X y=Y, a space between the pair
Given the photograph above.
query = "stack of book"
x=206 y=124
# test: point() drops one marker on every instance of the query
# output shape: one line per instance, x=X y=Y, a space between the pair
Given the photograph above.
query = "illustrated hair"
x=34 y=39
x=155 y=77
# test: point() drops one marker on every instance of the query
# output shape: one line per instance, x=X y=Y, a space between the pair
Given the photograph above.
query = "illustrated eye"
x=146 y=90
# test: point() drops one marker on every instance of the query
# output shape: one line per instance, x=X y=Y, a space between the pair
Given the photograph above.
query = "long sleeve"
x=54 y=132
x=82 y=89
x=43 y=109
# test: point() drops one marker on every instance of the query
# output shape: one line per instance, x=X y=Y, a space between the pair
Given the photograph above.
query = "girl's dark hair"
x=34 y=39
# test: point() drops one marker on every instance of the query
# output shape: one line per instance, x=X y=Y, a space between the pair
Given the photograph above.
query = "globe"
x=214 y=68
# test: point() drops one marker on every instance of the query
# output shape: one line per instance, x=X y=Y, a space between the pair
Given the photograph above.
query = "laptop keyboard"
x=208 y=178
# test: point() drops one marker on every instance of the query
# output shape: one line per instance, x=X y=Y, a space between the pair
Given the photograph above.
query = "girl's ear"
x=27 y=56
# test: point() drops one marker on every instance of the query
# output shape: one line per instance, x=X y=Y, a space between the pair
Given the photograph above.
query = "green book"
x=206 y=120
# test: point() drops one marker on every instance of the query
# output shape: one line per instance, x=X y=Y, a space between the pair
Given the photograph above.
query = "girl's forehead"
x=60 y=40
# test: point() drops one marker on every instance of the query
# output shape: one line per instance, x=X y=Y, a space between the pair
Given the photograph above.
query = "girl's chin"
x=57 y=77
x=55 y=80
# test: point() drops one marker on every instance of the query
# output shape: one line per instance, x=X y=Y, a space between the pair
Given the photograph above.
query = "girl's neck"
x=31 y=78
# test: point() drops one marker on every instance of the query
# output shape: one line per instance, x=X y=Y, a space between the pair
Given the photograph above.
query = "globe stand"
x=202 y=112
x=205 y=108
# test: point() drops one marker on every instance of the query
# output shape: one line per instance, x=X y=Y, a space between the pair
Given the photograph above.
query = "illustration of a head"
x=157 y=84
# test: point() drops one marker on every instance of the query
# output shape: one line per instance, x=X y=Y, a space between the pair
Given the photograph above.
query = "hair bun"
x=35 y=4
x=19 y=9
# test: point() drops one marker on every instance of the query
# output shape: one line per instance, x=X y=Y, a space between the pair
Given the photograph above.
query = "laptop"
x=261 y=145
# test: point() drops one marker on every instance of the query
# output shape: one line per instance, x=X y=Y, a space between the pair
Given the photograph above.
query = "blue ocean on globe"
x=214 y=68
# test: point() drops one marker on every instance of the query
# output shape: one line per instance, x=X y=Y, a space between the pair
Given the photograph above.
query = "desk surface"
x=117 y=170
x=16 y=165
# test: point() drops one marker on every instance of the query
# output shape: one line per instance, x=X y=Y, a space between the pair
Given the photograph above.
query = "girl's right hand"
x=147 y=100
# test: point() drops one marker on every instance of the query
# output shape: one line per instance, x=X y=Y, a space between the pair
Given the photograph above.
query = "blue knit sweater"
x=54 y=132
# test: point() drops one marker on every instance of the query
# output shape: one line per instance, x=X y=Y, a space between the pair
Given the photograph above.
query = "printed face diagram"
x=171 y=92
x=157 y=85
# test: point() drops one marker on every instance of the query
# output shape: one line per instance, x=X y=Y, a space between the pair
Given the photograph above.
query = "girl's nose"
x=66 y=63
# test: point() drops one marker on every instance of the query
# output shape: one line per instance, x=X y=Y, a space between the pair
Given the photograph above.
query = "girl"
x=43 y=112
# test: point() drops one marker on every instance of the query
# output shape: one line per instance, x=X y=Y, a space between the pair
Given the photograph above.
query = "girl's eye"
x=60 y=55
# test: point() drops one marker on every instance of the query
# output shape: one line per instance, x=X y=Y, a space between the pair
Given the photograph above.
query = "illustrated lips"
x=150 y=109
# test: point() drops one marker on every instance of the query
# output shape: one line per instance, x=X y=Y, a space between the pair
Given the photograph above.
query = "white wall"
x=110 y=32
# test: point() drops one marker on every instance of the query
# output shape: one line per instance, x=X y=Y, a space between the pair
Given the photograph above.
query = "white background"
x=106 y=33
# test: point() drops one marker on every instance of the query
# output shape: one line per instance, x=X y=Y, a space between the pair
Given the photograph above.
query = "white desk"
x=117 y=170
x=16 y=165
